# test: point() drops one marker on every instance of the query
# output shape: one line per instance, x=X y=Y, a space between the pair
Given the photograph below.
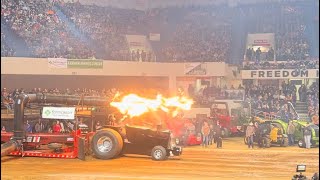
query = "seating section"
x=187 y=33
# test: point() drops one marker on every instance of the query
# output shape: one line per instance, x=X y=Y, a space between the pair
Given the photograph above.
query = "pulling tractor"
x=272 y=132
x=106 y=143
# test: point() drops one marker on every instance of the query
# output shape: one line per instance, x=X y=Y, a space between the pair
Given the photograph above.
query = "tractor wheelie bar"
x=106 y=143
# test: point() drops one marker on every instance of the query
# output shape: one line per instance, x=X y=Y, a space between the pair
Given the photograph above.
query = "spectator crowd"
x=6 y=51
x=287 y=22
x=312 y=99
x=273 y=100
x=187 y=33
x=40 y=27
x=298 y=65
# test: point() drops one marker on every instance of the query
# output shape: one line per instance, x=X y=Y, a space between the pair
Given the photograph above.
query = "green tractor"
x=272 y=133
x=298 y=134
x=299 y=125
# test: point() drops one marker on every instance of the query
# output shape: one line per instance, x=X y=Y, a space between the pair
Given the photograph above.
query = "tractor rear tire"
x=107 y=144
x=266 y=142
x=285 y=142
x=301 y=143
x=159 y=153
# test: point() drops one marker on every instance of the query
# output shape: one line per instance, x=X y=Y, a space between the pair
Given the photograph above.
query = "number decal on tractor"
x=36 y=139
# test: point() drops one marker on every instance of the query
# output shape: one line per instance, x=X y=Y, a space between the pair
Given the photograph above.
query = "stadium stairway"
x=302 y=110
x=16 y=42
x=77 y=33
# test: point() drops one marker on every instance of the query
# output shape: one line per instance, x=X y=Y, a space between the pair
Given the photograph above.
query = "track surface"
x=233 y=161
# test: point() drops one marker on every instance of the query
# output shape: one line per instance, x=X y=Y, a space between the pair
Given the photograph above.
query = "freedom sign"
x=280 y=74
x=58 y=112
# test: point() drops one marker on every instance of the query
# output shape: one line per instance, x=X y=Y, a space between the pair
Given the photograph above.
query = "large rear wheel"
x=107 y=144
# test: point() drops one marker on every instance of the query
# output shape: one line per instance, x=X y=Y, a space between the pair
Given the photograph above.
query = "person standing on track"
x=307 y=135
x=218 y=135
x=211 y=135
x=290 y=133
x=250 y=134
x=205 y=131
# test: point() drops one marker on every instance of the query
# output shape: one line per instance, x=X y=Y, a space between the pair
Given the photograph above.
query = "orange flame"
x=133 y=105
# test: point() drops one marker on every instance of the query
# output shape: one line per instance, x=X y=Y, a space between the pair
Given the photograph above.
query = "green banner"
x=85 y=64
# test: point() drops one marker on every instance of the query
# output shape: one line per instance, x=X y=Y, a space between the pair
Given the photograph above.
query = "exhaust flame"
x=133 y=105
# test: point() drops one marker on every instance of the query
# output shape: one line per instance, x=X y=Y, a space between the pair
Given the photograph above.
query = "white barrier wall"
x=41 y=66
x=11 y=65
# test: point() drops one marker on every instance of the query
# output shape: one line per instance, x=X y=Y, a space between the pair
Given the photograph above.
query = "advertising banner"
x=85 y=64
x=263 y=39
x=280 y=74
x=57 y=63
x=58 y=112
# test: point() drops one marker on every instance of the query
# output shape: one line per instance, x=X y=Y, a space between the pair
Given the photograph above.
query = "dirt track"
x=233 y=161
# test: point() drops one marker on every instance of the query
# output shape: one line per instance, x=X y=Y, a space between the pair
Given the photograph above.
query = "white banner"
x=280 y=74
x=154 y=37
x=257 y=40
x=57 y=63
x=58 y=112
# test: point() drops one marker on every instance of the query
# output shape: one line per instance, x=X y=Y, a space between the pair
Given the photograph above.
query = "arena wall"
x=28 y=72
x=12 y=65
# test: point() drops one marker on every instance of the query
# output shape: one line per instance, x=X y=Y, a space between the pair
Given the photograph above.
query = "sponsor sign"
x=263 y=39
x=57 y=63
x=85 y=64
x=58 y=112
x=195 y=69
x=280 y=74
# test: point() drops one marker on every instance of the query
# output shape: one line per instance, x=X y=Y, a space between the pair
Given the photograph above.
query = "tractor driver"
x=111 y=119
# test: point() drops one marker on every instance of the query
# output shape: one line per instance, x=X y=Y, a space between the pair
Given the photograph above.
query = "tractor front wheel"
x=159 y=153
x=301 y=143
x=107 y=144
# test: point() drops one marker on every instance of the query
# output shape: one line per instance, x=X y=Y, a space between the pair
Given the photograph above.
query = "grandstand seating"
x=187 y=33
